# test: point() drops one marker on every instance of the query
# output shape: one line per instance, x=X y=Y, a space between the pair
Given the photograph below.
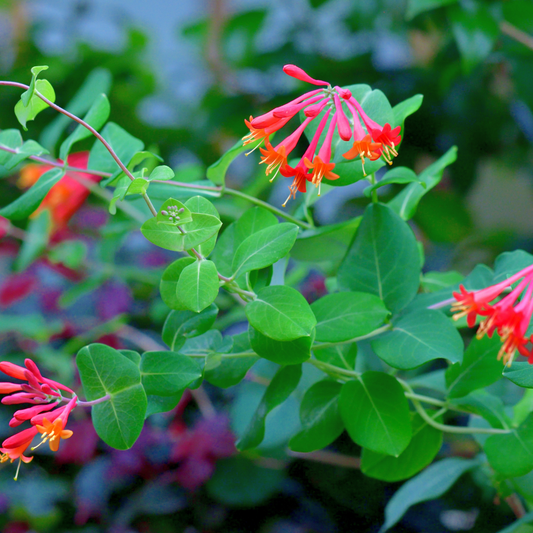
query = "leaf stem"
x=94 y=402
x=374 y=192
x=239 y=194
x=378 y=331
x=443 y=427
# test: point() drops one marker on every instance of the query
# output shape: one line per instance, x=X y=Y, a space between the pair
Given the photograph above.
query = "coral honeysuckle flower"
x=509 y=320
x=44 y=414
x=364 y=148
x=67 y=195
x=15 y=446
x=377 y=141
x=53 y=431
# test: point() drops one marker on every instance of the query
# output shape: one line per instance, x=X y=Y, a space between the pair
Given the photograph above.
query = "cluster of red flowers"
x=508 y=316
x=46 y=415
x=377 y=141
x=68 y=194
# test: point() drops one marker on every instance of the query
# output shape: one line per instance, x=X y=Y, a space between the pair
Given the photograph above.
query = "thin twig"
x=516 y=505
x=329 y=458
x=518 y=35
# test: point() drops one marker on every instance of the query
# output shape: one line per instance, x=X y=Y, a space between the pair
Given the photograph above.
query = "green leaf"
x=137 y=186
x=225 y=250
x=26 y=96
x=520 y=374
x=406 y=108
x=124 y=145
x=28 y=149
x=512 y=455
x=376 y=413
x=71 y=253
x=415 y=7
x=279 y=389
x=383 y=259
x=264 y=248
x=199 y=204
x=168 y=373
x=11 y=139
x=281 y=313
x=424 y=446
x=428 y=485
x=197 y=286
x=480 y=368
x=25 y=113
x=36 y=241
x=475 y=31
x=510 y=263
x=406 y=202
x=342 y=356
x=419 y=337
x=161 y=404
x=174 y=213
x=161 y=172
x=320 y=417
x=181 y=325
x=95 y=117
x=435 y=281
x=490 y=407
x=105 y=371
x=345 y=315
x=199 y=230
x=208 y=343
x=234 y=364
x=217 y=171
x=396 y=175
x=28 y=202
x=98 y=81
x=282 y=352
x=326 y=243
x=252 y=221
x=169 y=282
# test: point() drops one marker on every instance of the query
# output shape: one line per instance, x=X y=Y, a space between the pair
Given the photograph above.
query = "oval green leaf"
x=345 y=315
x=281 y=313
x=376 y=413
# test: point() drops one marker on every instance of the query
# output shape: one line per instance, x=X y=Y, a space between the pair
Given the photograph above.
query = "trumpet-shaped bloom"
x=509 y=317
x=45 y=414
x=345 y=115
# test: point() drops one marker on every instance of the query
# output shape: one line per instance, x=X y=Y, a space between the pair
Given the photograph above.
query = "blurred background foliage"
x=184 y=76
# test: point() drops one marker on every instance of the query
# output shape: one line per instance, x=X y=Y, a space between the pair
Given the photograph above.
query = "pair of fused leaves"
x=190 y=282
x=135 y=387
x=172 y=235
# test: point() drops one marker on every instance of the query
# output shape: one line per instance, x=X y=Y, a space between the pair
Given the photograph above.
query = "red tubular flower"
x=509 y=320
x=377 y=141
x=45 y=415
x=53 y=432
x=67 y=195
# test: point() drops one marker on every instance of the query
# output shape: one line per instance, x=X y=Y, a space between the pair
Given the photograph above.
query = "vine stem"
x=75 y=119
x=94 y=402
x=374 y=192
x=239 y=194
x=443 y=427
x=108 y=148
x=382 y=329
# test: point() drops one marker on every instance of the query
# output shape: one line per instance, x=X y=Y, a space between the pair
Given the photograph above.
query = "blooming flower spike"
x=344 y=115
